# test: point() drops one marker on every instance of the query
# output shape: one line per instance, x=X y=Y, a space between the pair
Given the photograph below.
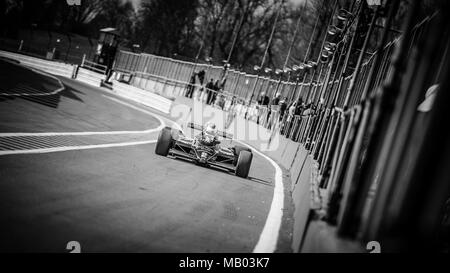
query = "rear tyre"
x=243 y=164
x=237 y=150
x=164 y=142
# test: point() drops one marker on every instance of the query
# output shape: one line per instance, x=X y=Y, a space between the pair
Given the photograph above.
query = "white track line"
x=268 y=238
x=85 y=147
x=81 y=133
x=72 y=148
x=159 y=118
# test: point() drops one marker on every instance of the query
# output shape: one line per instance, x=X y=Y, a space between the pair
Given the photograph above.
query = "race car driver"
x=208 y=137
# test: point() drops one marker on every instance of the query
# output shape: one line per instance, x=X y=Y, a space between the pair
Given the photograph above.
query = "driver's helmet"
x=210 y=130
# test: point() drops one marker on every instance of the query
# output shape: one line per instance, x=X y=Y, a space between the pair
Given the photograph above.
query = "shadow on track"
x=250 y=178
x=51 y=101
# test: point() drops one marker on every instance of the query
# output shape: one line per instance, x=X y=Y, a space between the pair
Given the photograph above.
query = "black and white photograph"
x=245 y=127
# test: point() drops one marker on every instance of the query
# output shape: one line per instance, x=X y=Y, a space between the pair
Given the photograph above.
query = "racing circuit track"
x=78 y=164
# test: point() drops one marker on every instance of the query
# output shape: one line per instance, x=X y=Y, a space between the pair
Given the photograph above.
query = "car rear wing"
x=200 y=127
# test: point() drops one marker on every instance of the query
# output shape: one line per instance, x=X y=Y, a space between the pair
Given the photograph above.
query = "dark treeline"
x=181 y=28
x=185 y=28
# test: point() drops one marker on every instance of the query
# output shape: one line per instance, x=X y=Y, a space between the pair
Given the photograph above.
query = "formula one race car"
x=204 y=149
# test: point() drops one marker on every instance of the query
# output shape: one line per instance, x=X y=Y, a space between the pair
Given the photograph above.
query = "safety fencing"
x=93 y=66
x=175 y=72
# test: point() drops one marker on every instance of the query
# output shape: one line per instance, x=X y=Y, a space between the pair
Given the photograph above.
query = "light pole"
x=202 y=44
x=265 y=54
x=288 y=55
x=226 y=65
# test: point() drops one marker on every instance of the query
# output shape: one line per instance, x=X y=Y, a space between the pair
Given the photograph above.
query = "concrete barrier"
x=289 y=153
x=142 y=96
x=277 y=154
x=297 y=166
x=52 y=67
x=301 y=196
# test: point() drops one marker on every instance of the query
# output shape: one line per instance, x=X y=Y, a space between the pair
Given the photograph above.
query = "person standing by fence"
x=274 y=110
x=216 y=89
x=290 y=117
x=209 y=91
x=283 y=107
x=262 y=106
x=191 y=86
x=231 y=112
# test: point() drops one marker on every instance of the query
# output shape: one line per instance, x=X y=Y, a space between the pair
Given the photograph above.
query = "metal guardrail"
x=90 y=65
x=238 y=84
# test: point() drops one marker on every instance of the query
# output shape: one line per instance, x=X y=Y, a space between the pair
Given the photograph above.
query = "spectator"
x=191 y=86
x=299 y=107
x=231 y=112
x=276 y=99
x=283 y=107
x=291 y=112
x=274 y=108
x=216 y=89
x=263 y=102
x=263 y=99
x=201 y=78
x=209 y=91
x=308 y=110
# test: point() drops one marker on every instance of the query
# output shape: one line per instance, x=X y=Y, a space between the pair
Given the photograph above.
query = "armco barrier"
x=161 y=86
x=142 y=96
x=90 y=77
x=56 y=68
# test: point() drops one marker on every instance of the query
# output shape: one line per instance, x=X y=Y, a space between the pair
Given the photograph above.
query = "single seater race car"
x=204 y=149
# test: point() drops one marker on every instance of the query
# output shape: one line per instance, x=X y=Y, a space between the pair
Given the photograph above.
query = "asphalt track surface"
x=115 y=199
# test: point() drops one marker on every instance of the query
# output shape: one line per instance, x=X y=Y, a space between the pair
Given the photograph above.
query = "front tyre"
x=237 y=150
x=164 y=142
x=243 y=164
